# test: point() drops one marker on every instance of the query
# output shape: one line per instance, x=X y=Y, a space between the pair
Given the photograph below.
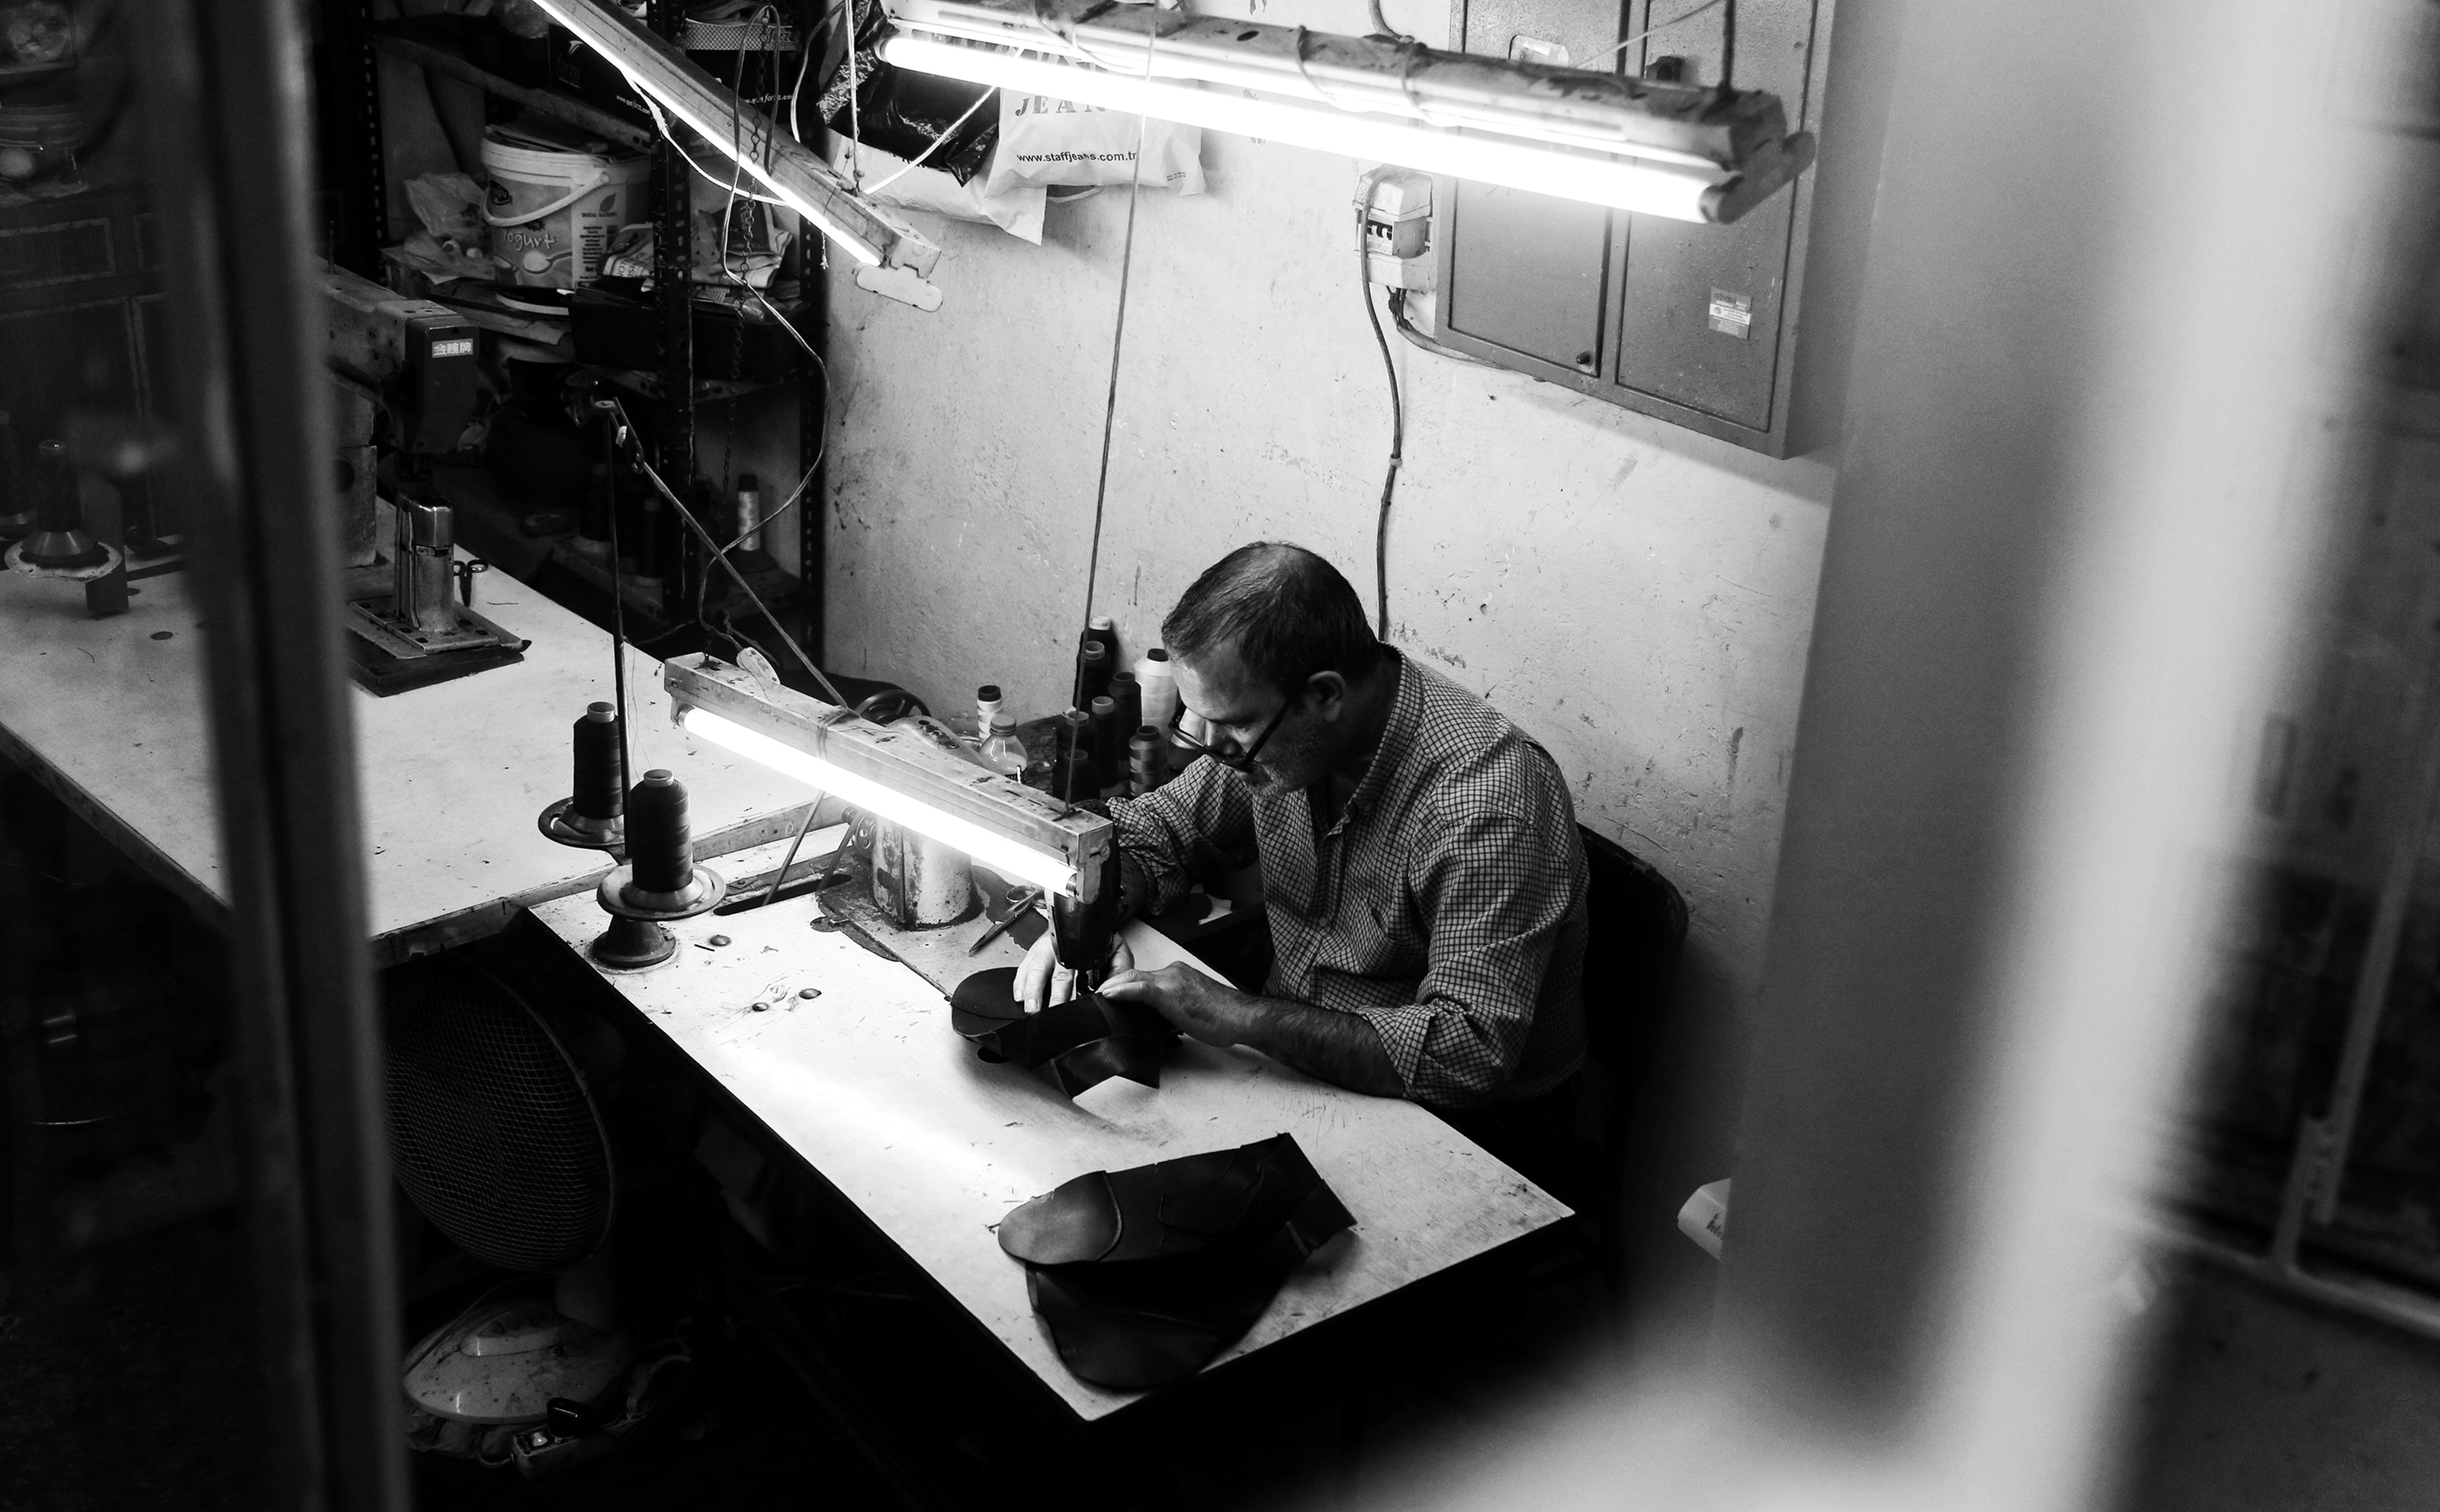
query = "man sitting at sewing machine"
x=1420 y=861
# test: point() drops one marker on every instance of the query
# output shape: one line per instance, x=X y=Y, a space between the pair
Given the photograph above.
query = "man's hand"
x=1343 y=1049
x=1195 y=1003
x=1042 y=981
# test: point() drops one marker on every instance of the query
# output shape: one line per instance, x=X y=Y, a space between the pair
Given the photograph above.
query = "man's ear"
x=1329 y=692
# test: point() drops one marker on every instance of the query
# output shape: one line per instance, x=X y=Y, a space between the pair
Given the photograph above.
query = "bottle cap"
x=1120 y=681
x=1003 y=724
x=1156 y=654
x=1095 y=651
x=1105 y=707
x=601 y=713
x=987 y=693
x=1102 y=622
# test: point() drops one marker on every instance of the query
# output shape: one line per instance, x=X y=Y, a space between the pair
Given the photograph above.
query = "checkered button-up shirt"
x=1446 y=904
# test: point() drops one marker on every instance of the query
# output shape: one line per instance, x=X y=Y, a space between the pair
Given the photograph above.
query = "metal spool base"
x=631 y=944
x=636 y=939
x=33 y=568
x=561 y=823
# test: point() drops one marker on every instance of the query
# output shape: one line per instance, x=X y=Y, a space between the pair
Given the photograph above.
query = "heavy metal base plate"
x=370 y=620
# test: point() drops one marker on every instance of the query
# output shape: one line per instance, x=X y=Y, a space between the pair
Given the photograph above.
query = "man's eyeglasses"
x=1239 y=761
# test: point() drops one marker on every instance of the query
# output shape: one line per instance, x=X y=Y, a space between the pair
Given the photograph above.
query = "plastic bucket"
x=553 y=205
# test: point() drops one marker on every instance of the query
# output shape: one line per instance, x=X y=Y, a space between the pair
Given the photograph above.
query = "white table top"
x=870 y=1085
x=451 y=777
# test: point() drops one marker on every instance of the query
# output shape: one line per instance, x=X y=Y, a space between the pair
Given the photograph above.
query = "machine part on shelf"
x=593 y=816
x=659 y=882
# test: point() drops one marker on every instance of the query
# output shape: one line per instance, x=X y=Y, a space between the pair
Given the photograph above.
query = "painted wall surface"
x=1635 y=596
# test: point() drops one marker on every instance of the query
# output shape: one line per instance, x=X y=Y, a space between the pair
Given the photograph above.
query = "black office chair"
x=1636 y=932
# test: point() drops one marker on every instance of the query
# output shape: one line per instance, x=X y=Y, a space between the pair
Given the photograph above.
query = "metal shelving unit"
x=351 y=40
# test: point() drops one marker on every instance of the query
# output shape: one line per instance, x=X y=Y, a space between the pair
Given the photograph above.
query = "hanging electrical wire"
x=1110 y=400
x=1397 y=412
x=1604 y=56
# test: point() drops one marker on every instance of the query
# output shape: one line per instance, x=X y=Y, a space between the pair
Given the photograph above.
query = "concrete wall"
x=1636 y=595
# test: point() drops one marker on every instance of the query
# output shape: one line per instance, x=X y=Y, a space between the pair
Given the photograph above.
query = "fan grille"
x=490 y=1130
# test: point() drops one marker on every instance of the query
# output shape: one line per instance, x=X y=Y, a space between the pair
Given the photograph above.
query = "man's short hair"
x=1288 y=612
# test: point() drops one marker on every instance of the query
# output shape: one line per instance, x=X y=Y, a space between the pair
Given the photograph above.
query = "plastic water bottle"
x=1003 y=752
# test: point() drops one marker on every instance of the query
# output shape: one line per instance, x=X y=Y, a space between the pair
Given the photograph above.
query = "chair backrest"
x=1636 y=930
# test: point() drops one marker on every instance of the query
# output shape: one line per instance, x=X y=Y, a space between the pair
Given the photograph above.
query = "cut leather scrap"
x=1084 y=1042
x=1142 y=1275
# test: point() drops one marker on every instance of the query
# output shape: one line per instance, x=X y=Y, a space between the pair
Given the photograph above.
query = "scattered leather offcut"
x=1144 y=1274
x=1084 y=1042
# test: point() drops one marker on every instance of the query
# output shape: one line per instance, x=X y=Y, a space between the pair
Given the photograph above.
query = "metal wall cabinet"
x=1694 y=324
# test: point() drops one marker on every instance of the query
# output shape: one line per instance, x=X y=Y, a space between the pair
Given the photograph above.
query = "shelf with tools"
x=441 y=44
x=677 y=357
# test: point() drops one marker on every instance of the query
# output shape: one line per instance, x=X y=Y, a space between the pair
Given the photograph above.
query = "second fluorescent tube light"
x=1686 y=152
x=778 y=163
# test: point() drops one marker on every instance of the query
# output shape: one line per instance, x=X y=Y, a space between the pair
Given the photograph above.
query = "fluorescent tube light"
x=1003 y=855
x=894 y=773
x=1622 y=183
x=783 y=167
x=1690 y=151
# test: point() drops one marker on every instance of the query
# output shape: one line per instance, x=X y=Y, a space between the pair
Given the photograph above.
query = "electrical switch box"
x=1695 y=324
x=1396 y=220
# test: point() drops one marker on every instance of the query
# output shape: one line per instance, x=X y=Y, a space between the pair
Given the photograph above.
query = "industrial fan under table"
x=494 y=1134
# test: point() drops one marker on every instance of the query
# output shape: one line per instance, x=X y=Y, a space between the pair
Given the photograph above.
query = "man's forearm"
x=1342 y=1049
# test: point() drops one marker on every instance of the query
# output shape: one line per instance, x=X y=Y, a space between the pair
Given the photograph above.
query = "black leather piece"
x=1084 y=1042
x=1144 y=1274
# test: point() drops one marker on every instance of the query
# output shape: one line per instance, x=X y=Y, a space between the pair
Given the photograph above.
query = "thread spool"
x=1145 y=768
x=593 y=816
x=658 y=842
x=1079 y=780
x=1092 y=673
x=1128 y=694
x=601 y=783
x=1158 y=680
x=660 y=880
x=1109 y=738
x=1075 y=733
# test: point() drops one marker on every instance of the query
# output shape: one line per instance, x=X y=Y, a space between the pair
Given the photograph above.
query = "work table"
x=110 y=715
x=867 y=1084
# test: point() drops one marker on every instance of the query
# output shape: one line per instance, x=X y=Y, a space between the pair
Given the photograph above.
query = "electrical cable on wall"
x=1397 y=412
x=1110 y=402
x=1606 y=55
